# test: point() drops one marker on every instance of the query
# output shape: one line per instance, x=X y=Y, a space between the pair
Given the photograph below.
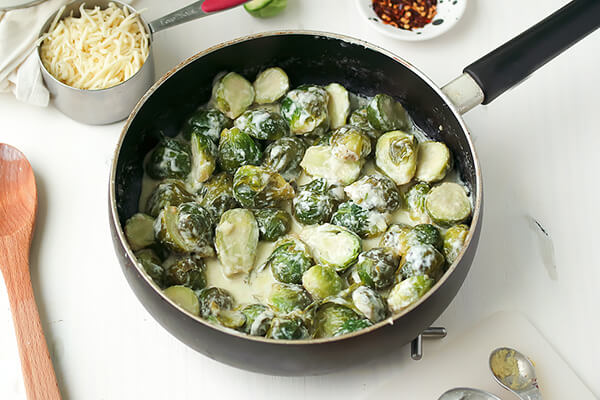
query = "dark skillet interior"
x=307 y=58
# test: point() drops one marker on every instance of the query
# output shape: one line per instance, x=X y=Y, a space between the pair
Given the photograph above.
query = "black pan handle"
x=514 y=61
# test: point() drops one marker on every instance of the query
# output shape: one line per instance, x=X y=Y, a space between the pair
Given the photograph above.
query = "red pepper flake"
x=405 y=14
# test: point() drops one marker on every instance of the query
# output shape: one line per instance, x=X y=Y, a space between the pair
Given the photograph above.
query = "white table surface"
x=538 y=146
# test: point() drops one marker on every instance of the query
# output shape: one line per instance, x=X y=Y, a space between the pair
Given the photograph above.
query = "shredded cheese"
x=99 y=49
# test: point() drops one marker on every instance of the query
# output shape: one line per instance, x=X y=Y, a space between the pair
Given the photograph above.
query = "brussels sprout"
x=408 y=292
x=386 y=114
x=236 y=240
x=322 y=281
x=261 y=124
x=209 y=123
x=284 y=156
x=433 y=161
x=422 y=260
x=335 y=320
x=395 y=239
x=169 y=159
x=152 y=265
x=214 y=301
x=139 y=231
x=186 y=228
x=187 y=271
x=350 y=143
x=285 y=298
x=270 y=85
x=233 y=319
x=216 y=195
x=258 y=319
x=170 y=192
x=288 y=328
x=365 y=223
x=359 y=119
x=454 y=240
x=338 y=106
x=332 y=245
x=232 y=94
x=184 y=297
x=415 y=201
x=272 y=223
x=236 y=149
x=204 y=159
x=289 y=260
x=258 y=187
x=375 y=192
x=369 y=303
x=319 y=161
x=426 y=234
x=448 y=204
x=314 y=203
x=376 y=268
x=305 y=110
x=396 y=155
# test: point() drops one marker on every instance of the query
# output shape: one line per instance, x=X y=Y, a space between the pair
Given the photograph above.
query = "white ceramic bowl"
x=448 y=14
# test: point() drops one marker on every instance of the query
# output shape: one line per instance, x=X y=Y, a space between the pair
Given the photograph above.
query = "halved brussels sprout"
x=169 y=159
x=262 y=124
x=336 y=320
x=204 y=159
x=426 y=234
x=186 y=271
x=314 y=203
x=272 y=223
x=286 y=298
x=284 y=156
x=152 y=265
x=258 y=187
x=454 y=240
x=386 y=114
x=338 y=106
x=365 y=223
x=332 y=245
x=415 y=201
x=216 y=195
x=236 y=149
x=396 y=155
x=376 y=268
x=359 y=118
x=184 y=297
x=422 y=260
x=209 y=123
x=408 y=292
x=258 y=319
x=289 y=260
x=236 y=240
x=448 y=204
x=375 y=191
x=305 y=110
x=214 y=301
x=233 y=319
x=232 y=94
x=322 y=281
x=170 y=192
x=433 y=161
x=395 y=239
x=288 y=328
x=270 y=85
x=319 y=161
x=350 y=143
x=139 y=230
x=369 y=303
x=186 y=228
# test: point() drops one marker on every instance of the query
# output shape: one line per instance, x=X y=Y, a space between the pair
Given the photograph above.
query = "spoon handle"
x=38 y=372
x=531 y=394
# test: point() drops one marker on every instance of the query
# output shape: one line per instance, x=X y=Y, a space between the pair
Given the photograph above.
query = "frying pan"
x=321 y=58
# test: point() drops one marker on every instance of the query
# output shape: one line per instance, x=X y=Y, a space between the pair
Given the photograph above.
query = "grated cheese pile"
x=97 y=50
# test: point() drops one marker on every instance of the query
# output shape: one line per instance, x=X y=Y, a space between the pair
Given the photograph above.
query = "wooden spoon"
x=18 y=204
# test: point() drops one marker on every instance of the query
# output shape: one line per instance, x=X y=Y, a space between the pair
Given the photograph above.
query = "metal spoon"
x=467 y=394
x=515 y=372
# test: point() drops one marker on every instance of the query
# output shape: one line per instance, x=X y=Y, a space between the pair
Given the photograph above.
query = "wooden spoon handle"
x=38 y=372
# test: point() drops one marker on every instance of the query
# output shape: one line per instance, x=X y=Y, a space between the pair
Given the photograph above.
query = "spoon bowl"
x=514 y=372
x=467 y=394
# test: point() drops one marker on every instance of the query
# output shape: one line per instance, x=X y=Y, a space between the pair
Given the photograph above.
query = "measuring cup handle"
x=219 y=5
